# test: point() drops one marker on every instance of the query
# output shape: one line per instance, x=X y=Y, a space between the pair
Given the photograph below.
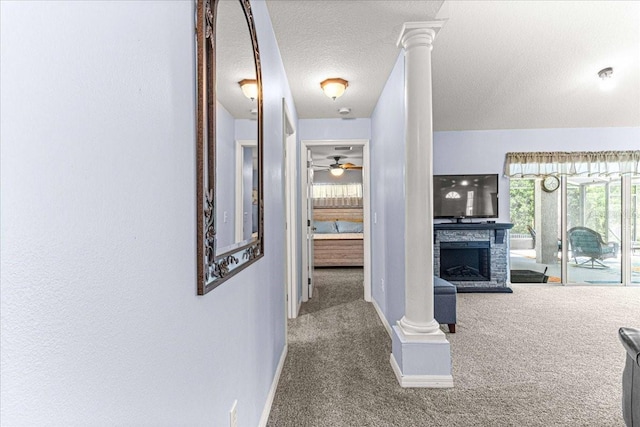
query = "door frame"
x=239 y=213
x=291 y=218
x=366 y=206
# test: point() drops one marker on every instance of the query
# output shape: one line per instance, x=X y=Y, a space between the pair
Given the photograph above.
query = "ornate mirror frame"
x=213 y=269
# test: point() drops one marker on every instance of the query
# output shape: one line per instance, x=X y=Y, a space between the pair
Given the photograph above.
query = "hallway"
x=337 y=371
x=337 y=350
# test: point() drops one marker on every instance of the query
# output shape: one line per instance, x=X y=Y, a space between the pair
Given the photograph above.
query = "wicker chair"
x=585 y=242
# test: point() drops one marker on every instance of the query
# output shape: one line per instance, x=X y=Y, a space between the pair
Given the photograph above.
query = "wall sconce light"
x=334 y=88
x=336 y=171
x=606 y=78
x=249 y=88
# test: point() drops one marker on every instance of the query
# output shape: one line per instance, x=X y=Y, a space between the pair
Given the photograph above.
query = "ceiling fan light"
x=334 y=88
x=249 y=88
x=336 y=171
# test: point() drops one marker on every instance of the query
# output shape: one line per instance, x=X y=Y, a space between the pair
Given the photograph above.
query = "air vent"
x=343 y=148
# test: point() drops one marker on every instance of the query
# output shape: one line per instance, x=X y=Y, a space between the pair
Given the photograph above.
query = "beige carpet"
x=543 y=356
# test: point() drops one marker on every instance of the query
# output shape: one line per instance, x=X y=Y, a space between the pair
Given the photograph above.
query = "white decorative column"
x=421 y=355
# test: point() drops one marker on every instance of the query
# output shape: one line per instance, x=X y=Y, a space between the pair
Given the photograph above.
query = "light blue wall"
x=347 y=177
x=330 y=129
x=246 y=129
x=101 y=324
x=484 y=151
x=387 y=196
x=225 y=178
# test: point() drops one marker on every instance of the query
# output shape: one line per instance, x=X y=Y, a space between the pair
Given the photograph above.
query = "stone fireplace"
x=472 y=255
x=465 y=261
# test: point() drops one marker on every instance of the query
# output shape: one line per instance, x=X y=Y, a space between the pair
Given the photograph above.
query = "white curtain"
x=584 y=163
x=337 y=195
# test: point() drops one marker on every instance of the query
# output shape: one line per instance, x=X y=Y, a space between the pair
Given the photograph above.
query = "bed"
x=337 y=240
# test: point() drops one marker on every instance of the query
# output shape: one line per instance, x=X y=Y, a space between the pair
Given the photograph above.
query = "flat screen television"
x=465 y=196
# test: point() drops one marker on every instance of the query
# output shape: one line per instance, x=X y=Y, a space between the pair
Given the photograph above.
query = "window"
x=338 y=195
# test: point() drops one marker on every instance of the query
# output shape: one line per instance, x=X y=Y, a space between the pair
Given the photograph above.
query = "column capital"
x=427 y=29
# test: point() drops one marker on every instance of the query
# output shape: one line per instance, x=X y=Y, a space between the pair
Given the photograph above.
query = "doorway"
x=306 y=204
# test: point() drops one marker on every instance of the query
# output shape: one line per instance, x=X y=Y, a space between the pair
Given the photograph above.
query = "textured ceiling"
x=354 y=40
x=234 y=59
x=320 y=155
x=496 y=64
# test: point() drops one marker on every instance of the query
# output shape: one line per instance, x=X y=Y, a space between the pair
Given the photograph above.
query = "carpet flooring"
x=545 y=355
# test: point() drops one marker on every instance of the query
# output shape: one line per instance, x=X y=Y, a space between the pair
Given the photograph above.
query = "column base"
x=420 y=363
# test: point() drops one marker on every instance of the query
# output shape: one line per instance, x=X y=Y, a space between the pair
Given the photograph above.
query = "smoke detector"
x=344 y=110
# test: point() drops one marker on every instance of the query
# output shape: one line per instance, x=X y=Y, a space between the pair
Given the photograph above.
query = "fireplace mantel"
x=486 y=234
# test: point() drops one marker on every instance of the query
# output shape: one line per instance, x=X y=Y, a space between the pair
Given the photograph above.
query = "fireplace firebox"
x=465 y=261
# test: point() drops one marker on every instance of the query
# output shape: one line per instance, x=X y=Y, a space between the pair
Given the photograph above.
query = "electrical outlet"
x=225 y=216
x=375 y=217
x=382 y=283
x=233 y=415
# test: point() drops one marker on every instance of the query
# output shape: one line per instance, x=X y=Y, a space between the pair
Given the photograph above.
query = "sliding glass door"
x=594 y=230
x=634 y=230
x=586 y=215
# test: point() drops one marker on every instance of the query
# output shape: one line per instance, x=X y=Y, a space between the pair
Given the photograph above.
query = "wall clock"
x=550 y=183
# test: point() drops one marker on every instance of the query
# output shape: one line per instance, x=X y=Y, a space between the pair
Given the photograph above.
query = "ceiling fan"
x=338 y=168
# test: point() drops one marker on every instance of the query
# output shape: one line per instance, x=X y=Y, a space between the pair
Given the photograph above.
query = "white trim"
x=366 y=211
x=272 y=391
x=420 y=381
x=625 y=244
x=304 y=236
x=366 y=220
x=383 y=319
x=291 y=218
x=238 y=219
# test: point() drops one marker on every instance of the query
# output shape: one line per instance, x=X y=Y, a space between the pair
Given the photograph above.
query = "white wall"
x=101 y=324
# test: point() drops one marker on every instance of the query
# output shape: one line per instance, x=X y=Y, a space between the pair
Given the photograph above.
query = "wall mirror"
x=229 y=142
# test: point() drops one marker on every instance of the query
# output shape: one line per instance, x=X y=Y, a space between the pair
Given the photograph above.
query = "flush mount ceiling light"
x=334 y=88
x=606 y=78
x=336 y=171
x=249 y=88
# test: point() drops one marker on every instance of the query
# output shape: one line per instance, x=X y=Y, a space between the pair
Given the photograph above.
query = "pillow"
x=349 y=227
x=325 y=227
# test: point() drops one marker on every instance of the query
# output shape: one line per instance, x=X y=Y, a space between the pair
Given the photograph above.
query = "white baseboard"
x=423 y=381
x=383 y=319
x=272 y=391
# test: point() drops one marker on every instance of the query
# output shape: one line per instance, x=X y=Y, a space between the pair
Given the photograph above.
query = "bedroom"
x=337 y=206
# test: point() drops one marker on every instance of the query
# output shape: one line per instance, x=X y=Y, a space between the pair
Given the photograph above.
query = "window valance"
x=584 y=163
x=337 y=195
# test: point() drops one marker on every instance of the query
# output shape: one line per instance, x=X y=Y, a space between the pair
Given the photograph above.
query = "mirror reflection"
x=246 y=220
x=236 y=110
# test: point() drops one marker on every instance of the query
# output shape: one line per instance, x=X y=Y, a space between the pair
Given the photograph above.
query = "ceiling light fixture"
x=606 y=78
x=334 y=88
x=336 y=171
x=249 y=88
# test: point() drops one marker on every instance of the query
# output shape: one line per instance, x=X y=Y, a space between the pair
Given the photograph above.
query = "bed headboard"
x=337 y=214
